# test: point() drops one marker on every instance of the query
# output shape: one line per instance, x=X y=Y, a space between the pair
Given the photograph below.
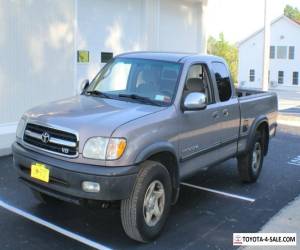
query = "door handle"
x=225 y=112
x=215 y=115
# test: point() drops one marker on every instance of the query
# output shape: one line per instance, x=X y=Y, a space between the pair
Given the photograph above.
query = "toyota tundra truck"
x=146 y=121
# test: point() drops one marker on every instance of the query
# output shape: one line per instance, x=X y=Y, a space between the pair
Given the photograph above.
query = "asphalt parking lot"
x=200 y=220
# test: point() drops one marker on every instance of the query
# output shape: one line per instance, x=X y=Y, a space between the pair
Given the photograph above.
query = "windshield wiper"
x=98 y=93
x=140 y=98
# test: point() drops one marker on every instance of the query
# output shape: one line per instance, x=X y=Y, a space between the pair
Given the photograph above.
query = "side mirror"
x=84 y=85
x=195 y=101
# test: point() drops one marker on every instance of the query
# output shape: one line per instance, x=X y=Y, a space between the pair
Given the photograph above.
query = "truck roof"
x=170 y=56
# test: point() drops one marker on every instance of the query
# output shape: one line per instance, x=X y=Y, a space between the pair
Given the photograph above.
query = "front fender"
x=172 y=163
x=154 y=149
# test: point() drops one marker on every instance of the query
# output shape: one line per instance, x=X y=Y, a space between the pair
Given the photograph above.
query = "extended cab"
x=145 y=122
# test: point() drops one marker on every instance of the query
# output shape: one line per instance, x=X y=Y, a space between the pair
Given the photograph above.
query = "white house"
x=48 y=47
x=284 y=56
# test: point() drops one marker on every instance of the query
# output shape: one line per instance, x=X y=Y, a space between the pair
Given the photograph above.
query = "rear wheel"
x=145 y=212
x=250 y=163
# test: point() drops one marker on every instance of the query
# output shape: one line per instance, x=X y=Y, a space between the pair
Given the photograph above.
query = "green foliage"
x=221 y=47
x=292 y=13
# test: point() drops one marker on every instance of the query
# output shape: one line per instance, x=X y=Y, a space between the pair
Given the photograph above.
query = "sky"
x=238 y=19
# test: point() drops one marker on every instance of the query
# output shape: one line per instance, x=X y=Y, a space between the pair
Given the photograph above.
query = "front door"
x=199 y=137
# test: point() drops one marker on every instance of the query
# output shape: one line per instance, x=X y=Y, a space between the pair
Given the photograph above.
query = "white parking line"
x=295 y=161
x=53 y=227
x=219 y=192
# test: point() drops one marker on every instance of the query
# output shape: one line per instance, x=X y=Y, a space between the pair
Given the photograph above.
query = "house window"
x=280 y=77
x=252 y=75
x=272 y=52
x=281 y=52
x=291 y=52
x=295 y=78
x=83 y=56
x=106 y=56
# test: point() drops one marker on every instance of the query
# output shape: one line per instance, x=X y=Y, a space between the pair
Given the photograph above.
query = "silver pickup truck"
x=145 y=122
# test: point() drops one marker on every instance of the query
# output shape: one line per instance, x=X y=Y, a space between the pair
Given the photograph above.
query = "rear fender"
x=251 y=136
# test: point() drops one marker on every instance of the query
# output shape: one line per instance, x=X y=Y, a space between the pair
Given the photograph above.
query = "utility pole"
x=266 y=54
x=203 y=27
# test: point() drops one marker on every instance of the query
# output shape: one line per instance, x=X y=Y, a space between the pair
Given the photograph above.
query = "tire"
x=138 y=220
x=46 y=199
x=250 y=163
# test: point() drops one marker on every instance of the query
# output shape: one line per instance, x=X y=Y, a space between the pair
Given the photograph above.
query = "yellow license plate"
x=40 y=172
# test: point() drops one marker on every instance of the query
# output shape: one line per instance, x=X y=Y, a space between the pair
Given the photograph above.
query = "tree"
x=221 y=47
x=292 y=13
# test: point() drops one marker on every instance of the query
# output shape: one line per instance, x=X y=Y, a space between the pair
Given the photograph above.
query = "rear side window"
x=223 y=81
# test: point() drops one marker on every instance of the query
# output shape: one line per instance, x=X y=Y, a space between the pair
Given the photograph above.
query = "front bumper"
x=116 y=183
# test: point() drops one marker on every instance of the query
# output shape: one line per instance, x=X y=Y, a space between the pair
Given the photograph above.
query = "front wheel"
x=250 y=163
x=145 y=212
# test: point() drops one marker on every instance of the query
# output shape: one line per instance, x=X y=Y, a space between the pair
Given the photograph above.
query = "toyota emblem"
x=45 y=137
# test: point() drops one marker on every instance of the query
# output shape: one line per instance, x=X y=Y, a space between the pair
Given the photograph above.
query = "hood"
x=90 y=116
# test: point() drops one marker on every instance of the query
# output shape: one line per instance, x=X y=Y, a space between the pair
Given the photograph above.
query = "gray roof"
x=168 y=56
x=293 y=22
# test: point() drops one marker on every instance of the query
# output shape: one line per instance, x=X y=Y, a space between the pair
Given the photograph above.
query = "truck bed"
x=246 y=92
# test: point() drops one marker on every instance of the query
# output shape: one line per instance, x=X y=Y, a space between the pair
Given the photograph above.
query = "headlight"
x=101 y=148
x=21 y=128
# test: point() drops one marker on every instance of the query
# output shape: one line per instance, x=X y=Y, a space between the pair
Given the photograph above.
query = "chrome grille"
x=50 y=139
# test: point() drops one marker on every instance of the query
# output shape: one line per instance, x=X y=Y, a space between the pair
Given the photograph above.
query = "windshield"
x=138 y=80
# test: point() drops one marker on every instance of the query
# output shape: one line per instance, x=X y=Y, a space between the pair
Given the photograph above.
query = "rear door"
x=229 y=113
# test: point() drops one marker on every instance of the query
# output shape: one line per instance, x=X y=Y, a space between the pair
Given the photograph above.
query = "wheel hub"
x=154 y=203
x=256 y=156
